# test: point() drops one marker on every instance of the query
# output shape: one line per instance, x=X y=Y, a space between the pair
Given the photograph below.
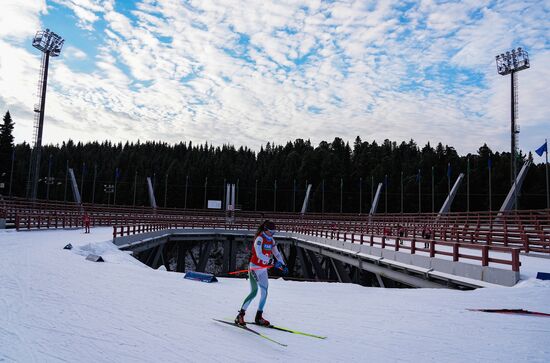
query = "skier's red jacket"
x=264 y=247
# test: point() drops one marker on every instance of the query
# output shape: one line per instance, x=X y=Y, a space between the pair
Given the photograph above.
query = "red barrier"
x=526 y=230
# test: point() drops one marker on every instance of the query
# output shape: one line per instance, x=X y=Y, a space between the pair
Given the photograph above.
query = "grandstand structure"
x=415 y=249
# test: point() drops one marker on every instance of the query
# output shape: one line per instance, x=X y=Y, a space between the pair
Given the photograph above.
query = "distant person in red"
x=86 y=222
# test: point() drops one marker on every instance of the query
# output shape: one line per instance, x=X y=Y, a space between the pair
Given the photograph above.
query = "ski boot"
x=260 y=320
x=239 y=320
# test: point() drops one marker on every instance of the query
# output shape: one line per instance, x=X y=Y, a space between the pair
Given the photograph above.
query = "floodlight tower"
x=50 y=44
x=510 y=63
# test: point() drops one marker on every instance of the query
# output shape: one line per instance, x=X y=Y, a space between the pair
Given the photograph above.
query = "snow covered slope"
x=56 y=306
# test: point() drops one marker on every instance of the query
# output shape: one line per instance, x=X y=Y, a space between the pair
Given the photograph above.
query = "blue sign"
x=200 y=276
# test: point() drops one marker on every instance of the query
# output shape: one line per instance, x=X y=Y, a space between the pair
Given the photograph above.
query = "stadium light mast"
x=512 y=62
x=50 y=44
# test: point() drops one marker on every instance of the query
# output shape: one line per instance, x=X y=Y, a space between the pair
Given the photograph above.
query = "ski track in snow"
x=57 y=307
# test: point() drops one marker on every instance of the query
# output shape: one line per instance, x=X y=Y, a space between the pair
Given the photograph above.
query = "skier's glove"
x=281 y=266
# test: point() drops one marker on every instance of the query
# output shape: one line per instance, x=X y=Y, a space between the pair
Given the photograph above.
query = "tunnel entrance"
x=220 y=257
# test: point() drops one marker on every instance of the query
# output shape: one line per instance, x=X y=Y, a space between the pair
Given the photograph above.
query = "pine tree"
x=6 y=142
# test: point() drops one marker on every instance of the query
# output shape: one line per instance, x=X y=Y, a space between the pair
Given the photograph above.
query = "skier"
x=86 y=222
x=261 y=260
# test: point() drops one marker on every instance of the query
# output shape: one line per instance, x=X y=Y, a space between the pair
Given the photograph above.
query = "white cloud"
x=20 y=19
x=86 y=11
x=71 y=52
x=222 y=72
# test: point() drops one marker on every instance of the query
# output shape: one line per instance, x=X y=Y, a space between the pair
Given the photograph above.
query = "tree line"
x=344 y=177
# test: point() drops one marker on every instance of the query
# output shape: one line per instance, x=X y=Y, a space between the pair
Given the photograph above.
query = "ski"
x=250 y=330
x=289 y=330
x=512 y=311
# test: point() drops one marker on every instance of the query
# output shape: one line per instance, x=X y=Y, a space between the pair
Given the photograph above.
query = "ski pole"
x=249 y=269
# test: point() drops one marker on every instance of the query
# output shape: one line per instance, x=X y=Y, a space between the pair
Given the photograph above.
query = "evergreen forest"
x=344 y=177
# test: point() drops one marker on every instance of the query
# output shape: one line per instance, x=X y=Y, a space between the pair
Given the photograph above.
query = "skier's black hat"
x=269 y=225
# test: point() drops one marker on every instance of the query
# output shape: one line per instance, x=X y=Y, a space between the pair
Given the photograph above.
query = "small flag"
x=449 y=170
x=544 y=148
x=489 y=163
x=418 y=176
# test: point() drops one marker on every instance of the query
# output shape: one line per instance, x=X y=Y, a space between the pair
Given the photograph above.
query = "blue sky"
x=252 y=72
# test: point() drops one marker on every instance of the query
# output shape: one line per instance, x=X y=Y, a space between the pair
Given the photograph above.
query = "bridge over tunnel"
x=309 y=258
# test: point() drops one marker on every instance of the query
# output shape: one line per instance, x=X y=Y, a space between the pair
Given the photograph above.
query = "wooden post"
x=484 y=255
x=455 y=252
x=515 y=259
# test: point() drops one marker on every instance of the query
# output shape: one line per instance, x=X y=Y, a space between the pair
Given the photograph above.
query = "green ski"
x=250 y=330
x=289 y=330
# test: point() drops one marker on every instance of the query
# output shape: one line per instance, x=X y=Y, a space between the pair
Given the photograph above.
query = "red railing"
x=528 y=230
x=431 y=247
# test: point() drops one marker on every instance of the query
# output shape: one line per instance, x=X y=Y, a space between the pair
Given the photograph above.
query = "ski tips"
x=251 y=331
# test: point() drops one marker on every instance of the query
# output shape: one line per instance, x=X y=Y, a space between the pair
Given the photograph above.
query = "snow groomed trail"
x=55 y=306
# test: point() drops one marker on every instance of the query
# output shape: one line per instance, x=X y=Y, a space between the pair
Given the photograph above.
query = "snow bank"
x=55 y=306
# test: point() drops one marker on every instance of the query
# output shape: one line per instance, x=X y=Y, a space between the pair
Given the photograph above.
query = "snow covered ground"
x=56 y=306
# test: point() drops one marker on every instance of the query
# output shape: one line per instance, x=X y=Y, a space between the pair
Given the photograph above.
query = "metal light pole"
x=433 y=191
x=275 y=196
x=512 y=62
x=224 y=203
x=360 y=194
x=448 y=178
x=116 y=181
x=449 y=181
x=82 y=182
x=490 y=167
x=256 y=195
x=401 y=192
x=237 y=193
x=386 y=194
x=66 y=181
x=371 y=188
x=205 y=190
x=341 y=193
x=468 y=185
x=185 y=198
x=50 y=44
x=135 y=187
x=165 y=189
x=294 y=197
x=419 y=177
x=95 y=179
x=323 y=197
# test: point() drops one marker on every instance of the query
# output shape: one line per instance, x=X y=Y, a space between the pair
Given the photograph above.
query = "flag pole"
x=419 y=177
x=468 y=186
x=490 y=194
x=547 y=195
